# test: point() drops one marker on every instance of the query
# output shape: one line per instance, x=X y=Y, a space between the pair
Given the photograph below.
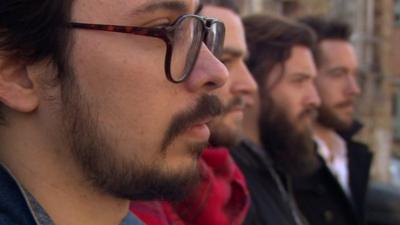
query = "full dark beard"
x=292 y=151
x=105 y=170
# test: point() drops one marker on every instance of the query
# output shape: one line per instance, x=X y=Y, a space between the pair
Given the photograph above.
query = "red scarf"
x=221 y=198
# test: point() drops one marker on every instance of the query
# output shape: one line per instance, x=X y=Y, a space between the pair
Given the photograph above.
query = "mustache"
x=309 y=112
x=206 y=106
x=235 y=102
x=345 y=104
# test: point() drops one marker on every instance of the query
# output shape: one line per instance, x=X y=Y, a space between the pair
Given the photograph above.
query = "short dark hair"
x=32 y=30
x=327 y=28
x=270 y=40
x=229 y=4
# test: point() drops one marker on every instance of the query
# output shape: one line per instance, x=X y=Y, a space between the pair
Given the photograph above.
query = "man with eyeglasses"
x=221 y=198
x=102 y=102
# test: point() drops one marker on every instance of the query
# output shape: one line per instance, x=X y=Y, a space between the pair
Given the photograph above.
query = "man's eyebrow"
x=154 y=5
x=301 y=74
x=338 y=69
x=199 y=9
x=233 y=52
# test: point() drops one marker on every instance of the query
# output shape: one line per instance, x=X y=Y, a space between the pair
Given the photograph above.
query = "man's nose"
x=352 y=87
x=208 y=73
x=313 y=98
x=243 y=83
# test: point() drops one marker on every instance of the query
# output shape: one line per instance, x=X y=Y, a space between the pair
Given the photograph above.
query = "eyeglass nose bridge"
x=214 y=36
x=209 y=22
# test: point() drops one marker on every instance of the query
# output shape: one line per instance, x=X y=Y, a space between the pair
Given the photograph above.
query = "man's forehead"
x=331 y=48
x=235 y=43
x=131 y=8
x=300 y=54
x=183 y=6
x=301 y=62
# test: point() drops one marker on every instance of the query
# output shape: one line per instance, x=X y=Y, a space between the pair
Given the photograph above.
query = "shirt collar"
x=339 y=149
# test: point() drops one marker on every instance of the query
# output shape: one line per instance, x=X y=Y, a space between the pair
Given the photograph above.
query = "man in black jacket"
x=281 y=62
x=335 y=194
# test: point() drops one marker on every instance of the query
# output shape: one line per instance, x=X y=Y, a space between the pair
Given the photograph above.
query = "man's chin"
x=171 y=184
x=345 y=125
x=343 y=122
x=182 y=182
x=303 y=127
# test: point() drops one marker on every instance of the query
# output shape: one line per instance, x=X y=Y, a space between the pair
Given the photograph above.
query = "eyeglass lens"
x=187 y=43
x=215 y=39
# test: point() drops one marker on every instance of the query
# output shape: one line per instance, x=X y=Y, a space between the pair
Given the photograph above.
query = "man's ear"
x=17 y=89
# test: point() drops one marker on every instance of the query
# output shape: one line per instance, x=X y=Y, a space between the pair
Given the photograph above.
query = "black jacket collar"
x=13 y=205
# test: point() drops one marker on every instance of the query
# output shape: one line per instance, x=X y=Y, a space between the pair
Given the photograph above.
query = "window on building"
x=396 y=112
x=397 y=12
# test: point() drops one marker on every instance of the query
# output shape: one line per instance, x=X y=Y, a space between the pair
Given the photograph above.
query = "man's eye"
x=159 y=23
x=226 y=61
x=162 y=25
x=299 y=80
x=337 y=74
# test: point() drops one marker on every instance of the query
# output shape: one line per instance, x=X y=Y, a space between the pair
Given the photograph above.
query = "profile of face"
x=288 y=105
x=337 y=84
x=133 y=133
x=238 y=92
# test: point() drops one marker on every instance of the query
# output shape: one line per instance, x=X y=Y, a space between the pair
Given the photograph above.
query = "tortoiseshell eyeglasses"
x=183 y=40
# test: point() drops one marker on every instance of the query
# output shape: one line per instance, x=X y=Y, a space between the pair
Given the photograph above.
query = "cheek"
x=233 y=120
x=124 y=94
x=224 y=93
x=295 y=110
x=329 y=91
x=134 y=122
x=115 y=55
x=289 y=104
x=328 y=97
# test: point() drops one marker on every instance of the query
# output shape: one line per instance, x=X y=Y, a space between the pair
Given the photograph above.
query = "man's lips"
x=345 y=108
x=239 y=108
x=194 y=119
x=203 y=120
x=200 y=130
x=248 y=101
x=345 y=104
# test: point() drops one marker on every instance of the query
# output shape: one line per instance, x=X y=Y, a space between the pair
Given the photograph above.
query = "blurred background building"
x=376 y=25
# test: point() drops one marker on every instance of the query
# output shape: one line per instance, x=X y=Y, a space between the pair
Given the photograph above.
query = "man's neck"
x=250 y=127
x=252 y=134
x=47 y=170
x=326 y=134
